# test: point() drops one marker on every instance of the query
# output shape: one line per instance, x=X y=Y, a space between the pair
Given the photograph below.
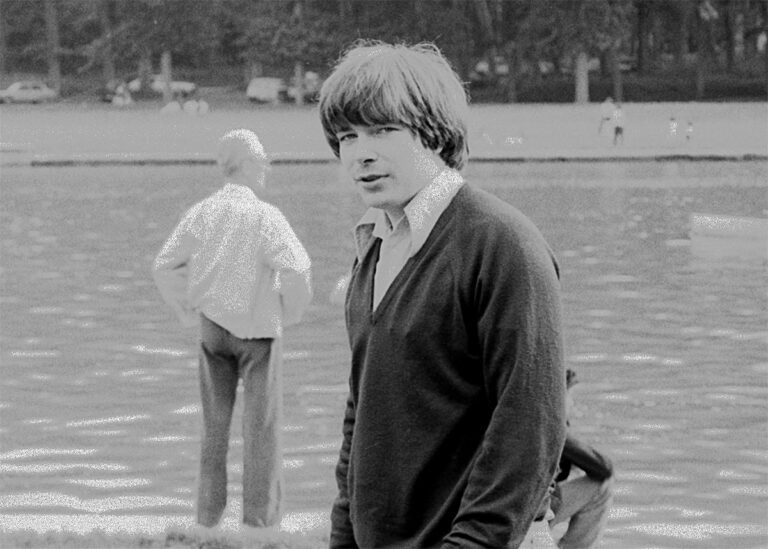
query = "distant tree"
x=527 y=32
x=53 y=44
x=183 y=30
x=447 y=23
x=705 y=16
x=107 y=52
x=586 y=29
x=3 y=39
x=728 y=11
x=278 y=35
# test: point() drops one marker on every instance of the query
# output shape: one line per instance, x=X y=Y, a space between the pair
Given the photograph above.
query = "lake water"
x=669 y=334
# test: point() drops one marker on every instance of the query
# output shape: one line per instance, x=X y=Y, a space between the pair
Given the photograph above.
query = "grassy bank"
x=495 y=131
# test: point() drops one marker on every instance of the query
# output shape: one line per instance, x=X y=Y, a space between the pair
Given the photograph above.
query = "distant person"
x=618 y=124
x=234 y=265
x=689 y=131
x=583 y=500
x=672 y=129
x=455 y=417
x=606 y=113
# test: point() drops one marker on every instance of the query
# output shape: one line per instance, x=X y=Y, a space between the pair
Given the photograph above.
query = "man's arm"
x=342 y=536
x=587 y=458
x=519 y=329
x=171 y=270
x=286 y=255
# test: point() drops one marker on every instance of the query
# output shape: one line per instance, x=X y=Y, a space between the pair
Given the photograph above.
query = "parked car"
x=266 y=90
x=178 y=87
x=27 y=91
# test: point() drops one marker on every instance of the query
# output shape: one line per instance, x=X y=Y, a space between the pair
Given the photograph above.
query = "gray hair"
x=238 y=146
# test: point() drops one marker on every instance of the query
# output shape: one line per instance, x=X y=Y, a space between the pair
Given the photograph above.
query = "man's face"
x=387 y=164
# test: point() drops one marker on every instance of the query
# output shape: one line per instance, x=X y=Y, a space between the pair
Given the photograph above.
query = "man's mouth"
x=369 y=178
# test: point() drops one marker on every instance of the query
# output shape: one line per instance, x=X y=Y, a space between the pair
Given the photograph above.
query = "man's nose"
x=365 y=151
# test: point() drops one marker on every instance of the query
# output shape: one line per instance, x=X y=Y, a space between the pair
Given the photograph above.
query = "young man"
x=581 y=500
x=234 y=264
x=455 y=417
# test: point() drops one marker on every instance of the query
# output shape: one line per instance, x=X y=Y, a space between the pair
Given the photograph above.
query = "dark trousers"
x=224 y=360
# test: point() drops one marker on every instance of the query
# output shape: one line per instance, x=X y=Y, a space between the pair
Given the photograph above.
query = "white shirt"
x=236 y=259
x=402 y=238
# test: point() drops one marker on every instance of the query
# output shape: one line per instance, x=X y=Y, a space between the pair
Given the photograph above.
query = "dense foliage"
x=505 y=48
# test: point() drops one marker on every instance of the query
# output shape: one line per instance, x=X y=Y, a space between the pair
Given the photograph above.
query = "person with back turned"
x=234 y=265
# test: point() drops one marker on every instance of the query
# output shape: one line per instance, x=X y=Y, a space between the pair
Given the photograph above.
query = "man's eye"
x=387 y=129
x=342 y=137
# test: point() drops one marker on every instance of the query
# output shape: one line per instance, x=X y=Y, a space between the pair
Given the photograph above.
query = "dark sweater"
x=455 y=418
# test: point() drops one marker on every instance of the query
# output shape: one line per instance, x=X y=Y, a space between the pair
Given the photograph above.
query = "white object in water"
x=714 y=225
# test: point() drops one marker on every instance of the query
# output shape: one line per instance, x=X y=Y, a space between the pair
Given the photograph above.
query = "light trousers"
x=224 y=360
x=585 y=503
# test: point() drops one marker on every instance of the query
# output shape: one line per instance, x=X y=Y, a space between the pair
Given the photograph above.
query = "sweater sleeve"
x=518 y=321
x=342 y=536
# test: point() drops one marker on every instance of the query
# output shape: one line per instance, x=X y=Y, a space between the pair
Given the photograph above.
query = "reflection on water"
x=668 y=331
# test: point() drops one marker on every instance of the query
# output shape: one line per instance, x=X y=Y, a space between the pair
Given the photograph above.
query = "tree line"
x=506 y=44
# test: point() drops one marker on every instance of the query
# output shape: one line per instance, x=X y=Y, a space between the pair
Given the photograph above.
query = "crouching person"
x=584 y=500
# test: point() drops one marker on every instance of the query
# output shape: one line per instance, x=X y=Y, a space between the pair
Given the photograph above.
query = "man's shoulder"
x=484 y=222
x=478 y=209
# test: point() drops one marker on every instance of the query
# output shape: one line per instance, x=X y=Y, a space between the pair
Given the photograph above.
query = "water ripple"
x=99 y=505
x=57 y=467
x=24 y=453
x=589 y=357
x=169 y=438
x=102 y=421
x=159 y=351
x=698 y=531
x=110 y=483
x=35 y=354
x=651 y=476
x=190 y=409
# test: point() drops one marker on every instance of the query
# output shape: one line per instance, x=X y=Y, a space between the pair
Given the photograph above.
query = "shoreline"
x=38 y=161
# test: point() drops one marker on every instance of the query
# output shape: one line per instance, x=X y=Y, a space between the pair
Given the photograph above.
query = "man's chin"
x=372 y=199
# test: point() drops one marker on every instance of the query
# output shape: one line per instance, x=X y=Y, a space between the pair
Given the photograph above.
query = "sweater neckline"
x=398 y=281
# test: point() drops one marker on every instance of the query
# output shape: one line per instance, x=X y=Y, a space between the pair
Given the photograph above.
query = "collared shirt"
x=235 y=259
x=402 y=238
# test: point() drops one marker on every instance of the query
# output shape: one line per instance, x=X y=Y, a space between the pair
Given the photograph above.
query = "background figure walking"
x=582 y=500
x=606 y=113
x=618 y=124
x=234 y=264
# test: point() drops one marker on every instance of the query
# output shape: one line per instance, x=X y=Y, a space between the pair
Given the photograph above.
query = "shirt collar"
x=421 y=213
